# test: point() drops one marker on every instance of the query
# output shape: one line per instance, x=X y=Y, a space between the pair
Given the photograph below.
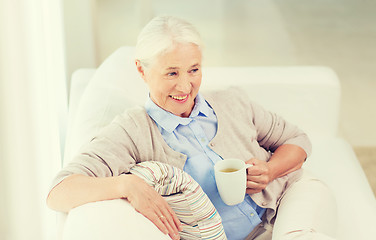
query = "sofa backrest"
x=308 y=96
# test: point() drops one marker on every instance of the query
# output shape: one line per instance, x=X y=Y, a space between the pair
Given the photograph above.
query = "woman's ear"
x=140 y=69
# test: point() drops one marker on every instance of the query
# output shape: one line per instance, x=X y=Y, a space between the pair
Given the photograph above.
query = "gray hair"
x=161 y=34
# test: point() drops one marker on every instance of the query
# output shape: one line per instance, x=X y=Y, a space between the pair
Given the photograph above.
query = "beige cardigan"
x=245 y=130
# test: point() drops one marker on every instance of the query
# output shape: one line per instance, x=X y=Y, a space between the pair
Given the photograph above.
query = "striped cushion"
x=199 y=218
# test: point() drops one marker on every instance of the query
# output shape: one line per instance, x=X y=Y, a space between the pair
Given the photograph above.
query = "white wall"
x=339 y=34
x=80 y=45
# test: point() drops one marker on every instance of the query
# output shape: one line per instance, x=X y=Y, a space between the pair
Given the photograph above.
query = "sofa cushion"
x=114 y=87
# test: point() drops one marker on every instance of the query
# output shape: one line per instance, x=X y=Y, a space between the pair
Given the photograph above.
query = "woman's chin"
x=181 y=108
x=181 y=113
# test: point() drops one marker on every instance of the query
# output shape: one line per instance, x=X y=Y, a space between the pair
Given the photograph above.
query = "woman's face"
x=174 y=79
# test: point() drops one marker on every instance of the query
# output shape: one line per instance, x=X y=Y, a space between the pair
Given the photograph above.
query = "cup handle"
x=248 y=166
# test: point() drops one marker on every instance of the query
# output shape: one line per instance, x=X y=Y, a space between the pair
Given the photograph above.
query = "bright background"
x=43 y=41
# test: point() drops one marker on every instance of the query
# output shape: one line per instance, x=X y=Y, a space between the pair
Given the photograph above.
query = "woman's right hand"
x=151 y=204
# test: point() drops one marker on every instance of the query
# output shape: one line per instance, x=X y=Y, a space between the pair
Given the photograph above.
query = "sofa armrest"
x=112 y=219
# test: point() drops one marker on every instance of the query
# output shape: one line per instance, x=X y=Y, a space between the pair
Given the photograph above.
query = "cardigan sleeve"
x=274 y=131
x=131 y=138
x=247 y=125
x=111 y=153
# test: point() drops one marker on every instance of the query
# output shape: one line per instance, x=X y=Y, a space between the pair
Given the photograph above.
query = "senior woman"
x=191 y=130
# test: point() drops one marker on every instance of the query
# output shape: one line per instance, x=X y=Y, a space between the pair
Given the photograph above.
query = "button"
x=212 y=144
x=252 y=214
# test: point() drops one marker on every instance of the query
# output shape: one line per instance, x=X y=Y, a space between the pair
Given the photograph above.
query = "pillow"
x=114 y=87
x=199 y=218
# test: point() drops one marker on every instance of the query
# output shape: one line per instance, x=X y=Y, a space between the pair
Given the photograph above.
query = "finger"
x=260 y=179
x=154 y=218
x=252 y=185
x=250 y=191
x=167 y=218
x=255 y=185
x=160 y=221
x=256 y=170
x=175 y=218
x=251 y=161
x=169 y=223
x=172 y=233
x=166 y=215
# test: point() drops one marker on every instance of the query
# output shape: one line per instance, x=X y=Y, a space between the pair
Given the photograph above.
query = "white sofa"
x=308 y=96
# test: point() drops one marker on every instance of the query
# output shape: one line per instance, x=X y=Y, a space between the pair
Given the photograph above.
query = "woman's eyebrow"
x=172 y=68
x=176 y=68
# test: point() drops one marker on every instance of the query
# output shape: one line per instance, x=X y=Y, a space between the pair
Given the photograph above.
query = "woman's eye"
x=172 y=74
x=194 y=70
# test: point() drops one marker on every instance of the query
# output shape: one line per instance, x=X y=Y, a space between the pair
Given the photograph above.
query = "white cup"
x=231 y=179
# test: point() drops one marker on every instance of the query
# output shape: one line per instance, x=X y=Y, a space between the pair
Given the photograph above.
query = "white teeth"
x=179 y=97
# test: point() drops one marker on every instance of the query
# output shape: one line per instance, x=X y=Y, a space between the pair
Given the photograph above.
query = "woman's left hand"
x=258 y=176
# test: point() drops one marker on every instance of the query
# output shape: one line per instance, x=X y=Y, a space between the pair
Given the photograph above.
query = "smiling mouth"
x=179 y=98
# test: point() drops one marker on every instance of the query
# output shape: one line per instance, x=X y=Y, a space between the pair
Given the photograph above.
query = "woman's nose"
x=183 y=85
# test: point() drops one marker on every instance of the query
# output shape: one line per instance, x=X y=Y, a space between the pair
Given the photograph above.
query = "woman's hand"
x=258 y=176
x=286 y=159
x=152 y=205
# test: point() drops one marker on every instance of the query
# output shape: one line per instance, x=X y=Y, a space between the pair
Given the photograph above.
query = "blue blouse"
x=191 y=136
